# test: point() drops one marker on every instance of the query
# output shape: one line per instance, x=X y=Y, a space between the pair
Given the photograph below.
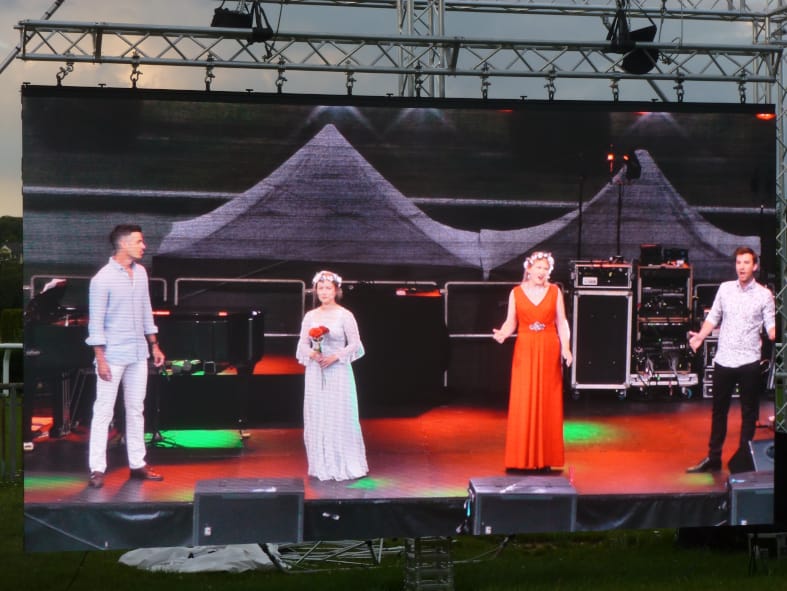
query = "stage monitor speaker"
x=751 y=498
x=763 y=453
x=248 y=511
x=521 y=504
x=756 y=456
x=601 y=339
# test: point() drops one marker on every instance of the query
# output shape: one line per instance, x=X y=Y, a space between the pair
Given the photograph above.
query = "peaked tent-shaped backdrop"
x=326 y=205
x=652 y=212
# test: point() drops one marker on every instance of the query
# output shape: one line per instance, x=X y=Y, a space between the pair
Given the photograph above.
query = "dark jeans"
x=749 y=377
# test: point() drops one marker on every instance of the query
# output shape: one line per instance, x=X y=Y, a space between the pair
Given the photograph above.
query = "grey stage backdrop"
x=275 y=186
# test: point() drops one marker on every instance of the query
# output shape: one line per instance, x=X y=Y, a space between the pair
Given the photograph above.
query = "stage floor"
x=626 y=458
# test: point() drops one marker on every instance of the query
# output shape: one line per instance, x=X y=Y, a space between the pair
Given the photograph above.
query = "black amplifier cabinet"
x=601 y=340
x=521 y=504
x=751 y=498
x=248 y=511
x=601 y=275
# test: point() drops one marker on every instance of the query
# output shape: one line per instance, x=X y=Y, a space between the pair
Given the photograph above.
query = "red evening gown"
x=534 y=436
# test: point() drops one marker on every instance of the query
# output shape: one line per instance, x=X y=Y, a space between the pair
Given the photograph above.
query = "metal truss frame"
x=422 y=56
x=781 y=252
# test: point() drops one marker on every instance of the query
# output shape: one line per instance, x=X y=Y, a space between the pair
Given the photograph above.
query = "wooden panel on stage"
x=763 y=454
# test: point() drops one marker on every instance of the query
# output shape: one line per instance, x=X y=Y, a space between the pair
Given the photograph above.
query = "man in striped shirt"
x=120 y=330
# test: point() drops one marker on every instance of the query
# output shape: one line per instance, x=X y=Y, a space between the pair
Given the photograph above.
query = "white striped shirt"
x=120 y=313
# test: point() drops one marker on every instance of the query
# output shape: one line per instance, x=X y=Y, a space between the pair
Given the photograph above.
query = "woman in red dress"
x=536 y=311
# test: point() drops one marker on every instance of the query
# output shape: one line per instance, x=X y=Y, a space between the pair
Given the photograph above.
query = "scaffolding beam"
x=420 y=55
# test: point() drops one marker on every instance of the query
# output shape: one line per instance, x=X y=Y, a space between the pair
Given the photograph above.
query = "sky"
x=293 y=18
x=173 y=12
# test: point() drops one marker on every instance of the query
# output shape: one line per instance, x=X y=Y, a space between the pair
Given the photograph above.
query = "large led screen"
x=427 y=209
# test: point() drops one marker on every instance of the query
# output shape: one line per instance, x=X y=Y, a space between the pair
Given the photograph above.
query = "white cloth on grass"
x=232 y=558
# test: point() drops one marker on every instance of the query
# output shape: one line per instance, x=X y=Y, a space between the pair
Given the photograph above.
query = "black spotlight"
x=641 y=61
x=243 y=17
x=231 y=19
x=623 y=40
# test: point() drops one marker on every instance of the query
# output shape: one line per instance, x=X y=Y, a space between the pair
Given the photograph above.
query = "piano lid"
x=47 y=308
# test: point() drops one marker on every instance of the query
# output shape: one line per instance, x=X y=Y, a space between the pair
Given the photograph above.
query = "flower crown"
x=540 y=254
x=327 y=276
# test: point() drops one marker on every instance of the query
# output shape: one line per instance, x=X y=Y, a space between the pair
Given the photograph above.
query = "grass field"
x=630 y=560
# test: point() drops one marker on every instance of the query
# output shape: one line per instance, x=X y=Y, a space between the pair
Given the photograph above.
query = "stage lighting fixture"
x=624 y=40
x=231 y=19
x=633 y=167
x=246 y=15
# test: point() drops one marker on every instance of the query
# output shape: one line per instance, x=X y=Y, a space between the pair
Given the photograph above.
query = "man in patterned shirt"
x=744 y=308
x=123 y=336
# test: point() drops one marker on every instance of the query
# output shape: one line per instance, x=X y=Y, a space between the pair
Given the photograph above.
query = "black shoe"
x=705 y=465
x=144 y=473
x=96 y=480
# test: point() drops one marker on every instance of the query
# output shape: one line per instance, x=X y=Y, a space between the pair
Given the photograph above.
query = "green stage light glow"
x=49 y=481
x=368 y=483
x=578 y=432
x=200 y=439
x=700 y=480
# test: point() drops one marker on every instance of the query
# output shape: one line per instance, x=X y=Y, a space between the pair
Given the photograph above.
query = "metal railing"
x=10 y=437
x=10 y=440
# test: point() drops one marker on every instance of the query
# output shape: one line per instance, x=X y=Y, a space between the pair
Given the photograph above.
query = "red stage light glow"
x=766 y=116
x=412 y=292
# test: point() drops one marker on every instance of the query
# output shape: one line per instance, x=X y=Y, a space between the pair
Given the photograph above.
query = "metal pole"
x=7 y=348
x=14 y=52
x=619 y=218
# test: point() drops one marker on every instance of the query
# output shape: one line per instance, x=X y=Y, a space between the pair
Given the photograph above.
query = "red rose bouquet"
x=317 y=334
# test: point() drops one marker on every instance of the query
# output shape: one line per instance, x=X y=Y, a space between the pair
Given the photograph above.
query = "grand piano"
x=206 y=345
x=55 y=356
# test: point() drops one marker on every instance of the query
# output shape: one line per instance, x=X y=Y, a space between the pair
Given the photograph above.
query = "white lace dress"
x=331 y=428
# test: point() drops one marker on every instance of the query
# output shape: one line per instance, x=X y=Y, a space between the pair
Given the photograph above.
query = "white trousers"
x=135 y=379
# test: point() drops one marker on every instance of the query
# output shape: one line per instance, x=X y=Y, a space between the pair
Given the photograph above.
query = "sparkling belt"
x=537 y=327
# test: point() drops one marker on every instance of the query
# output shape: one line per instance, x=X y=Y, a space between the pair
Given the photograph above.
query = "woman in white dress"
x=329 y=343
